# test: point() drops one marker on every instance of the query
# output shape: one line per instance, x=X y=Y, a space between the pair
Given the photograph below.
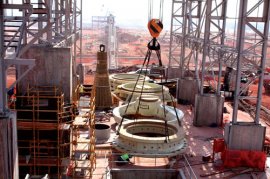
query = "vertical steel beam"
x=56 y=10
x=176 y=32
x=171 y=36
x=194 y=20
x=213 y=41
x=75 y=29
x=183 y=40
x=240 y=47
x=61 y=19
x=206 y=40
x=40 y=23
x=48 y=4
x=3 y=97
x=81 y=31
x=111 y=39
x=266 y=18
x=251 y=50
x=67 y=17
x=70 y=16
x=78 y=28
x=222 y=42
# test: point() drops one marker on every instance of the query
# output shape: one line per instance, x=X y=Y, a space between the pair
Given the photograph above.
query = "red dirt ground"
x=133 y=43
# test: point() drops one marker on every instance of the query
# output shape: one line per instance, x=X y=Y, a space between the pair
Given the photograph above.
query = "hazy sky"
x=128 y=13
x=134 y=13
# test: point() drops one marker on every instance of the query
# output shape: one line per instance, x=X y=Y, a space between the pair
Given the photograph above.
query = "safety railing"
x=188 y=169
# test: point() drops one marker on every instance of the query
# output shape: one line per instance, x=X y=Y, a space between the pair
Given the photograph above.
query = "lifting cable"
x=152 y=45
x=161 y=10
x=146 y=59
x=150 y=10
x=155 y=26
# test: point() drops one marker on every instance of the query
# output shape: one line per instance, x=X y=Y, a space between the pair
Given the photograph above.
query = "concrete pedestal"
x=244 y=136
x=208 y=110
x=173 y=72
x=81 y=72
x=188 y=88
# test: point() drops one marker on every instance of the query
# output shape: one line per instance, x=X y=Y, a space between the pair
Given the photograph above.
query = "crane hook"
x=155 y=26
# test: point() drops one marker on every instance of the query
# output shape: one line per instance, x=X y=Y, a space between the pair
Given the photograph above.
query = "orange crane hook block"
x=155 y=26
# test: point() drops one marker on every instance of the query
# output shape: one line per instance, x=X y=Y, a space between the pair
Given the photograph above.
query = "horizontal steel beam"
x=16 y=6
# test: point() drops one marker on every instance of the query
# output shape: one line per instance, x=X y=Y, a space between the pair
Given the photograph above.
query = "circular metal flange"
x=122 y=78
x=127 y=89
x=149 y=107
x=147 y=138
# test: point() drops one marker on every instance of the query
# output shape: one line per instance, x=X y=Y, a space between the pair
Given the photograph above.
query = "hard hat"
x=155 y=26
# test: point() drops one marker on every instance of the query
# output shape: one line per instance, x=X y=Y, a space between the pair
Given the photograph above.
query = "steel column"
x=75 y=30
x=206 y=41
x=252 y=38
x=81 y=31
x=183 y=39
x=214 y=35
x=3 y=97
x=192 y=40
x=177 y=18
x=263 y=58
x=240 y=45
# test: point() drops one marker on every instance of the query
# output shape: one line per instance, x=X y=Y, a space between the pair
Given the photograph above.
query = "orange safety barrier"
x=243 y=158
x=219 y=145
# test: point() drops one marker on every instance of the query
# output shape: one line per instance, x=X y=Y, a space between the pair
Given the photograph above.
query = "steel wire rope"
x=156 y=47
x=166 y=80
x=148 y=55
x=161 y=10
x=150 y=9
x=164 y=111
x=129 y=100
x=163 y=98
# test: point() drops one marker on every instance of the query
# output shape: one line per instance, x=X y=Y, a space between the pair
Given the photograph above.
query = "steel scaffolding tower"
x=56 y=23
x=110 y=40
x=177 y=28
x=254 y=28
x=199 y=39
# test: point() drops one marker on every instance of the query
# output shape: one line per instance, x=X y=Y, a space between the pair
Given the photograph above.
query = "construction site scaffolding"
x=43 y=122
x=83 y=157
